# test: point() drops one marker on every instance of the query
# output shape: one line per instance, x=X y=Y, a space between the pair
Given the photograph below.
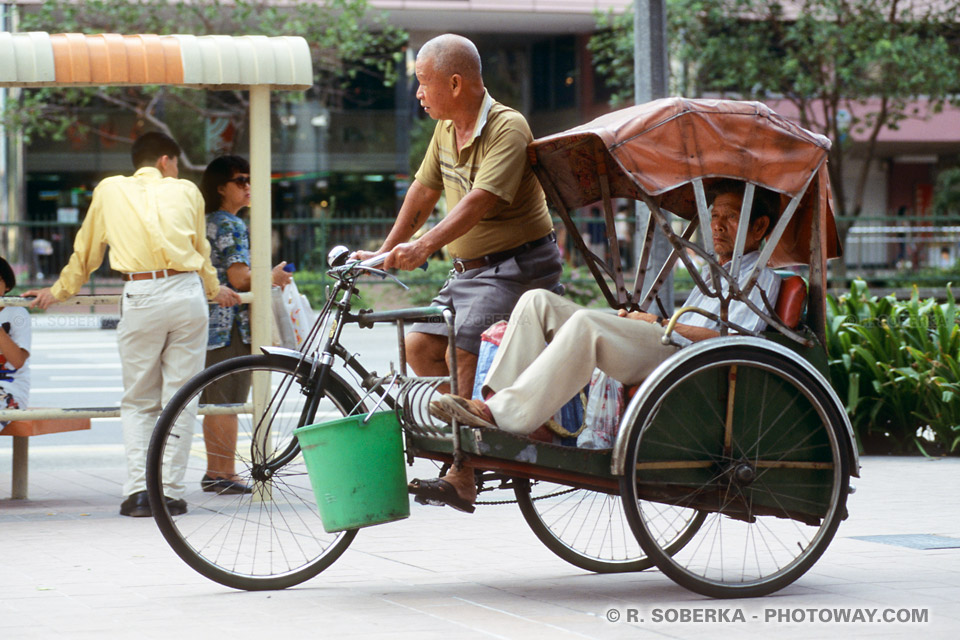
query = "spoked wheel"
x=754 y=439
x=271 y=538
x=588 y=529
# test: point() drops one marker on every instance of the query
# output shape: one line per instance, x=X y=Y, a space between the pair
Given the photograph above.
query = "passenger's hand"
x=638 y=315
x=280 y=277
x=43 y=298
x=227 y=297
x=407 y=256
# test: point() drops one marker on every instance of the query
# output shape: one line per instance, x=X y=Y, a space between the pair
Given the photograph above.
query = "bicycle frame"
x=322 y=348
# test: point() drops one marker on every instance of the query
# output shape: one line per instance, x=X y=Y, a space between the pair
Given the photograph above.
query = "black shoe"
x=222 y=486
x=176 y=507
x=136 y=505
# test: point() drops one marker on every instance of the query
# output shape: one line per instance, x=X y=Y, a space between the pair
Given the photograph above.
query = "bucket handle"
x=393 y=381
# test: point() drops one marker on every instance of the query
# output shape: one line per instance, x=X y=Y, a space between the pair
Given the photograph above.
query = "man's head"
x=7 y=275
x=449 y=72
x=727 y=199
x=158 y=150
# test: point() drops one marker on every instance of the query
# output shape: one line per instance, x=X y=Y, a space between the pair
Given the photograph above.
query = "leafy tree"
x=849 y=66
x=348 y=42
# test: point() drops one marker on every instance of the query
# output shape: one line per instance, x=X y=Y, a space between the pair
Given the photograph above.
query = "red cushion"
x=793 y=293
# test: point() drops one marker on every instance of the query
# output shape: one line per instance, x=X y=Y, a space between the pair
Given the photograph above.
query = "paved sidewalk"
x=72 y=568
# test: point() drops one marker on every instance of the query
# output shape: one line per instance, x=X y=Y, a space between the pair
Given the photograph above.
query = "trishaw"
x=731 y=468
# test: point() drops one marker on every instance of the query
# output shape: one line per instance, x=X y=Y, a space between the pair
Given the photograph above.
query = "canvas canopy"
x=661 y=147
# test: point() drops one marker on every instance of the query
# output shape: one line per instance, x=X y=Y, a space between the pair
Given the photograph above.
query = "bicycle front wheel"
x=270 y=537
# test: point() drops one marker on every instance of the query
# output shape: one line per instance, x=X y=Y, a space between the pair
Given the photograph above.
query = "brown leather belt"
x=488 y=260
x=150 y=275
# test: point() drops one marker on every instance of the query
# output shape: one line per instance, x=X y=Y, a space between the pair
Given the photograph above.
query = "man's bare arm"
x=417 y=206
x=694 y=334
x=468 y=212
x=43 y=298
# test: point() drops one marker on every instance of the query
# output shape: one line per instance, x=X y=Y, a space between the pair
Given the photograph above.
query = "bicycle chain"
x=548 y=495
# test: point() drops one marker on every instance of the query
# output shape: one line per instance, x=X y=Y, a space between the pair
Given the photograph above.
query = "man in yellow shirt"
x=154 y=225
x=497 y=228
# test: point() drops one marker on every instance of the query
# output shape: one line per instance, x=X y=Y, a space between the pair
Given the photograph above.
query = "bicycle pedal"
x=430 y=502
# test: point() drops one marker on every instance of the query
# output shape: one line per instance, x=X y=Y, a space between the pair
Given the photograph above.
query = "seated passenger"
x=551 y=345
x=14 y=348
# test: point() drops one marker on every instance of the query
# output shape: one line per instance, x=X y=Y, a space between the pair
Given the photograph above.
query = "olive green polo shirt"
x=495 y=160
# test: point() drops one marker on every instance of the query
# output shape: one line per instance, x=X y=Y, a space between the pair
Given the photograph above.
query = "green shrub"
x=312 y=284
x=580 y=286
x=929 y=276
x=896 y=364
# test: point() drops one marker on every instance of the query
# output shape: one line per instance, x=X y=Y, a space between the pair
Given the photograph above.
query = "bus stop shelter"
x=257 y=64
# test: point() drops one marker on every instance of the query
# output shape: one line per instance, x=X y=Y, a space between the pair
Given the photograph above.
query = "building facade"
x=340 y=173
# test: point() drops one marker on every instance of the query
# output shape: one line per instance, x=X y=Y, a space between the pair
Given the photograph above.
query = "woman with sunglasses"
x=226 y=190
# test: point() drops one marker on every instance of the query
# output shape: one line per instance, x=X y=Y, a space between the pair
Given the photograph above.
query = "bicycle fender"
x=631 y=413
x=283 y=354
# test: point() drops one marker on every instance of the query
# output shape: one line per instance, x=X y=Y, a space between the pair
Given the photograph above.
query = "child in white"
x=14 y=349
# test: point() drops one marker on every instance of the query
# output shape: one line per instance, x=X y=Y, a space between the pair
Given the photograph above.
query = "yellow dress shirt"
x=149 y=222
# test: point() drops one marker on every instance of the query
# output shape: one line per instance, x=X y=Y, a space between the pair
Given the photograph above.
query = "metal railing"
x=894 y=248
x=902 y=248
x=902 y=243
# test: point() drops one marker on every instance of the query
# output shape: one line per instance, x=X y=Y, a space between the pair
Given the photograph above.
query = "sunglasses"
x=240 y=181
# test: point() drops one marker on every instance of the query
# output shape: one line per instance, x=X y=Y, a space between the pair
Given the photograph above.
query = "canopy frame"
x=665 y=154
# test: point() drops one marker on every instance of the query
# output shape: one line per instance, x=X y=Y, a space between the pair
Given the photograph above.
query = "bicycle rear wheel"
x=271 y=538
x=589 y=529
x=756 y=441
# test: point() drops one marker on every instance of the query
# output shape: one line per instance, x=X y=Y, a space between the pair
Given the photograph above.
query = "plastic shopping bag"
x=570 y=416
x=296 y=317
x=604 y=407
x=283 y=335
x=489 y=343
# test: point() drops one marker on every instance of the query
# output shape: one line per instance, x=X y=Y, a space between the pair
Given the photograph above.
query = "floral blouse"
x=229 y=243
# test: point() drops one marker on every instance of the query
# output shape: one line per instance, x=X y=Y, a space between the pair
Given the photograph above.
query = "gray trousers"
x=482 y=297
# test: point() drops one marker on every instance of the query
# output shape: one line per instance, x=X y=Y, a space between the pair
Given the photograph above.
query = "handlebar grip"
x=378 y=260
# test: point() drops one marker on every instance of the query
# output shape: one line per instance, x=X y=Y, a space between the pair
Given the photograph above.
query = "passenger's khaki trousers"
x=162 y=338
x=532 y=380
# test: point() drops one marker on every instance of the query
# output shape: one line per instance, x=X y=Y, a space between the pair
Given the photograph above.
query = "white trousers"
x=550 y=349
x=162 y=338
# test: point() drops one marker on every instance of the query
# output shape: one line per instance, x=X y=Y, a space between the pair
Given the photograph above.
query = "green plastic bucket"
x=356 y=469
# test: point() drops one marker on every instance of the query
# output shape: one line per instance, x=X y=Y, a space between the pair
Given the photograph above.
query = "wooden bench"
x=21 y=431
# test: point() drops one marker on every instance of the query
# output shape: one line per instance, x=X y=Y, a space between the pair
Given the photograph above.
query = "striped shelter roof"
x=38 y=59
